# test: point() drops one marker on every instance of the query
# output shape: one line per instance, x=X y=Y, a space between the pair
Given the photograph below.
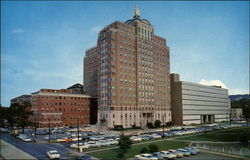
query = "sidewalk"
x=225 y=154
x=8 y=151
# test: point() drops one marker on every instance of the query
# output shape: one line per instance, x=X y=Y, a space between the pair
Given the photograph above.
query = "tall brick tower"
x=129 y=73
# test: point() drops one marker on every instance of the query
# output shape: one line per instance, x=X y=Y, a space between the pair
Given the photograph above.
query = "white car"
x=111 y=141
x=21 y=136
x=53 y=154
x=145 y=157
x=93 y=144
x=104 y=143
x=135 y=139
x=178 y=154
x=81 y=145
x=156 y=136
x=167 y=155
x=27 y=139
x=76 y=139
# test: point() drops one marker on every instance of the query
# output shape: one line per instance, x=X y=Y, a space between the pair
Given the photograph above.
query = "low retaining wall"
x=230 y=148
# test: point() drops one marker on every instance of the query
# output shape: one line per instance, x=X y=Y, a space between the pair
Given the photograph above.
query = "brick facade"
x=60 y=108
x=128 y=71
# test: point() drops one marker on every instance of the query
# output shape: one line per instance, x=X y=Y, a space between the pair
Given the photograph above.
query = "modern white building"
x=196 y=104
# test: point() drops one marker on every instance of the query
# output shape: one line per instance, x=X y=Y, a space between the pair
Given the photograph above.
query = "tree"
x=169 y=124
x=124 y=143
x=246 y=112
x=19 y=114
x=245 y=105
x=3 y=116
x=153 y=148
x=157 y=123
x=150 y=125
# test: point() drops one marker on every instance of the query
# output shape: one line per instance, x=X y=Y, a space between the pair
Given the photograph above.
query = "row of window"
x=65 y=109
x=62 y=97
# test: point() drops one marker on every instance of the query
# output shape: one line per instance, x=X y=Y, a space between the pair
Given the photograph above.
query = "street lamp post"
x=78 y=134
x=49 y=128
x=35 y=128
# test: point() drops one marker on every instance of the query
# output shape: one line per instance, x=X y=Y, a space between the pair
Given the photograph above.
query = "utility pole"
x=78 y=134
x=35 y=128
x=49 y=128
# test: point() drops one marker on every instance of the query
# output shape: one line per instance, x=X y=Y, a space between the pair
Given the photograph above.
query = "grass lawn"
x=135 y=149
x=228 y=135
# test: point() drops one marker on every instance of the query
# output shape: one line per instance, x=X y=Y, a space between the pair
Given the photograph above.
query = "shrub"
x=169 y=124
x=150 y=125
x=144 y=150
x=118 y=127
x=157 y=123
x=135 y=127
x=153 y=148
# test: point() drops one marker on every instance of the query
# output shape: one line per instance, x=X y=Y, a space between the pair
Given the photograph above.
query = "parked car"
x=81 y=145
x=144 y=137
x=104 y=143
x=167 y=155
x=52 y=137
x=61 y=140
x=41 y=132
x=53 y=154
x=76 y=139
x=145 y=156
x=177 y=153
x=135 y=138
x=158 y=155
x=156 y=136
x=84 y=157
x=93 y=144
x=191 y=150
x=184 y=151
x=112 y=141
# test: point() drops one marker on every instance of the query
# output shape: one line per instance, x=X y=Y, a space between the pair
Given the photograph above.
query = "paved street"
x=36 y=150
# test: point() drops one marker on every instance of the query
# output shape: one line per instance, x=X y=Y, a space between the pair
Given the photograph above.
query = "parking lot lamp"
x=49 y=128
x=78 y=134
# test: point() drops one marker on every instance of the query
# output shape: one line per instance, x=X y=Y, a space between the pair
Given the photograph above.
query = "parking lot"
x=66 y=140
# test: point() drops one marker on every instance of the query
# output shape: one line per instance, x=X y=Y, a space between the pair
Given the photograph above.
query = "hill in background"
x=238 y=97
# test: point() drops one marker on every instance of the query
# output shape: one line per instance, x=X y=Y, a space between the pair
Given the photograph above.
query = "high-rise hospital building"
x=128 y=71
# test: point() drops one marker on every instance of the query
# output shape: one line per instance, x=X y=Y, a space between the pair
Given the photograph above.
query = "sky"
x=43 y=43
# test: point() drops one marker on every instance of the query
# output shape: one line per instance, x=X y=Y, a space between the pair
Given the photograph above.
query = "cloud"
x=17 y=30
x=212 y=83
x=238 y=91
x=232 y=91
